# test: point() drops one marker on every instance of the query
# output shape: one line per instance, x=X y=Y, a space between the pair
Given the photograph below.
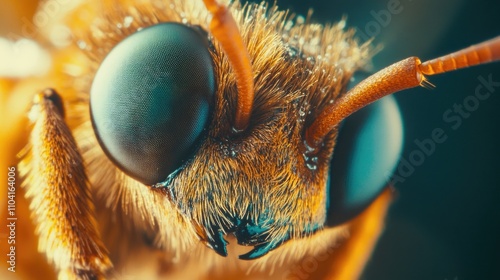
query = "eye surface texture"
x=367 y=152
x=150 y=100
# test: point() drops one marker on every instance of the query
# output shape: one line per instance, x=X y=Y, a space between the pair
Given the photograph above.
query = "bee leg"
x=347 y=260
x=61 y=204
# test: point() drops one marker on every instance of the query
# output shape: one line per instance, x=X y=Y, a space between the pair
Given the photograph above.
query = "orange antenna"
x=223 y=27
x=407 y=73
x=477 y=54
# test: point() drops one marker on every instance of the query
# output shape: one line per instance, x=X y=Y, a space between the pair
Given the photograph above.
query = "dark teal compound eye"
x=367 y=152
x=150 y=100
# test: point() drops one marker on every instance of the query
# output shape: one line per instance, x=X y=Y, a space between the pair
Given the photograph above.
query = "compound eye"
x=150 y=100
x=368 y=149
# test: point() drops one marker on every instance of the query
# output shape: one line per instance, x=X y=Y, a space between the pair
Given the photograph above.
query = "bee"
x=183 y=140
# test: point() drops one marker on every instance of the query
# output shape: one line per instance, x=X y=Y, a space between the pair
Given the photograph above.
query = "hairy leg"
x=58 y=188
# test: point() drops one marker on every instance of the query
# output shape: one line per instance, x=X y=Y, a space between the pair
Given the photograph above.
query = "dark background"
x=445 y=223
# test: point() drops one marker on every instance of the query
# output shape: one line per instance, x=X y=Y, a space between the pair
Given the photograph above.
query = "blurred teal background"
x=445 y=223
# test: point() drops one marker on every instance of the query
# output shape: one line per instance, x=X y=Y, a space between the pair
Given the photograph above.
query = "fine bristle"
x=427 y=84
x=299 y=68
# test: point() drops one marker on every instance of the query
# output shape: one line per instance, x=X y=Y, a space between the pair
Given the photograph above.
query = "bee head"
x=176 y=130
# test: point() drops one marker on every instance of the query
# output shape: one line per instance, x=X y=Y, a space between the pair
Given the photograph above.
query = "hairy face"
x=258 y=185
x=162 y=168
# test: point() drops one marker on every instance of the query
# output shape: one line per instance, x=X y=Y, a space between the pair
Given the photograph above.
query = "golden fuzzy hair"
x=260 y=177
